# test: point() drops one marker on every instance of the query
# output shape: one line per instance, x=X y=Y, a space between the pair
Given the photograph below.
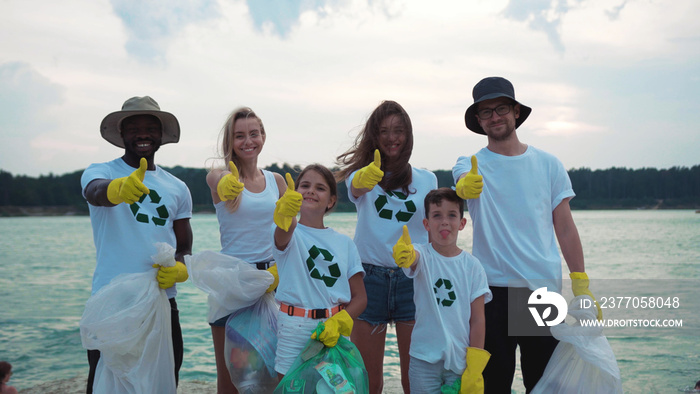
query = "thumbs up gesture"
x=367 y=177
x=229 y=187
x=287 y=206
x=403 y=252
x=471 y=185
x=129 y=189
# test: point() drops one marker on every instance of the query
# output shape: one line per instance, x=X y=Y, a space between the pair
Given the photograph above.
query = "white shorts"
x=293 y=333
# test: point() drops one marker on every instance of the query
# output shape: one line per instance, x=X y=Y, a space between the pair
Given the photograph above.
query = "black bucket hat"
x=111 y=124
x=491 y=88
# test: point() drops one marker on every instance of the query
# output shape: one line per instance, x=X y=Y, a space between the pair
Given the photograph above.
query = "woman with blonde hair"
x=244 y=197
x=388 y=193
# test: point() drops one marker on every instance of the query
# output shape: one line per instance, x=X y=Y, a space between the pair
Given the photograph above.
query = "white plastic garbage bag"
x=583 y=362
x=231 y=283
x=128 y=321
x=250 y=346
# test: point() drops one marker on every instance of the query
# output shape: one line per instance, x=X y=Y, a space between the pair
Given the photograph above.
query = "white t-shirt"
x=514 y=235
x=315 y=268
x=444 y=288
x=125 y=235
x=245 y=232
x=381 y=216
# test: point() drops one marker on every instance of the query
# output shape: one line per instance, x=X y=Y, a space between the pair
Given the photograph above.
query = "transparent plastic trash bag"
x=128 y=321
x=250 y=346
x=583 y=361
x=231 y=283
x=326 y=370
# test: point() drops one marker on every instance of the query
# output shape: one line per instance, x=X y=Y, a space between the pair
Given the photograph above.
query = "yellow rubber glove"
x=129 y=189
x=403 y=252
x=471 y=185
x=229 y=187
x=472 y=379
x=167 y=276
x=337 y=325
x=273 y=271
x=367 y=177
x=579 y=286
x=287 y=206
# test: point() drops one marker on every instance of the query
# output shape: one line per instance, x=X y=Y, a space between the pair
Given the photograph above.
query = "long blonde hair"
x=227 y=153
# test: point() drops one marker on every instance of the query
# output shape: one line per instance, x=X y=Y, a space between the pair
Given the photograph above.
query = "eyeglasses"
x=485 y=114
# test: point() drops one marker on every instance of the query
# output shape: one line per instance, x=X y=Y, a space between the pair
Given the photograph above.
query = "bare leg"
x=370 y=342
x=223 y=380
x=403 y=337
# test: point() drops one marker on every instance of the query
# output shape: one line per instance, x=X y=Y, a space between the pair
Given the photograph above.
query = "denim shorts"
x=426 y=377
x=389 y=295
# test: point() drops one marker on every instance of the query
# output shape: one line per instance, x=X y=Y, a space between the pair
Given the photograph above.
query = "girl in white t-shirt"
x=244 y=199
x=388 y=193
x=320 y=273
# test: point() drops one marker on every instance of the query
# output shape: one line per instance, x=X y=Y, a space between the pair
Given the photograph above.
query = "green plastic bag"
x=326 y=370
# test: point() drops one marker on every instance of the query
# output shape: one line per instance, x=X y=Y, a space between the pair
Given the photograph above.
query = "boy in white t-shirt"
x=450 y=290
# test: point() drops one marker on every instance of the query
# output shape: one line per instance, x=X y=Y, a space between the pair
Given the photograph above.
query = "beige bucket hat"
x=110 y=127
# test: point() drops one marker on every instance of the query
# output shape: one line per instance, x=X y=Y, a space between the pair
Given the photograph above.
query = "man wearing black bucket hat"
x=134 y=204
x=518 y=217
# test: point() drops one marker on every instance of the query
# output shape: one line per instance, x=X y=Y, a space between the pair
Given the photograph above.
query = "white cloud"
x=618 y=80
x=151 y=25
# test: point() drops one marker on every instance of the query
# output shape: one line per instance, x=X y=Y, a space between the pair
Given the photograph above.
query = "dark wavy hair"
x=5 y=369
x=397 y=173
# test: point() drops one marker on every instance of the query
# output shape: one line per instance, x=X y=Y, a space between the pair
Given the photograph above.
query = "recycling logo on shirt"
x=444 y=292
x=161 y=211
x=327 y=259
x=404 y=214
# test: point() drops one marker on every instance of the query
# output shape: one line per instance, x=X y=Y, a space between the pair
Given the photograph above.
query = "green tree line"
x=613 y=188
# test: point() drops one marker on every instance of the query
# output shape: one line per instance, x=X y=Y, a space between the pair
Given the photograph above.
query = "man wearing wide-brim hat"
x=518 y=215
x=135 y=204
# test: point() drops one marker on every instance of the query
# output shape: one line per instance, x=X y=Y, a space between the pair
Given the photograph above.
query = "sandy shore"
x=77 y=385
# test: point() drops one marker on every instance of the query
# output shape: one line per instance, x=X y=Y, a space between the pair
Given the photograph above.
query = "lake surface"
x=46 y=266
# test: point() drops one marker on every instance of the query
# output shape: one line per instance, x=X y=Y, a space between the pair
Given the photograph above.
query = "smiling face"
x=392 y=137
x=248 y=138
x=444 y=222
x=317 y=194
x=499 y=127
x=142 y=135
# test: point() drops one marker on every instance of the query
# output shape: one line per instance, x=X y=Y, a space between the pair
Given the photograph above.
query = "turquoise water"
x=47 y=263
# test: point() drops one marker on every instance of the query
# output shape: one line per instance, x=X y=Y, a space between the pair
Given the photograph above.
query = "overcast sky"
x=611 y=82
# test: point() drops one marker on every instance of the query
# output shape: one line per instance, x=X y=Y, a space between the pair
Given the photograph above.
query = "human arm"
x=366 y=178
x=472 y=379
x=342 y=322
x=470 y=184
x=281 y=184
x=225 y=185
x=167 y=276
x=111 y=192
x=571 y=249
x=285 y=214
x=477 y=323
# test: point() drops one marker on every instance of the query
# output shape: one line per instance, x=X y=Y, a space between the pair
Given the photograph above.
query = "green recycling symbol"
x=401 y=216
x=451 y=297
x=333 y=269
x=161 y=210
